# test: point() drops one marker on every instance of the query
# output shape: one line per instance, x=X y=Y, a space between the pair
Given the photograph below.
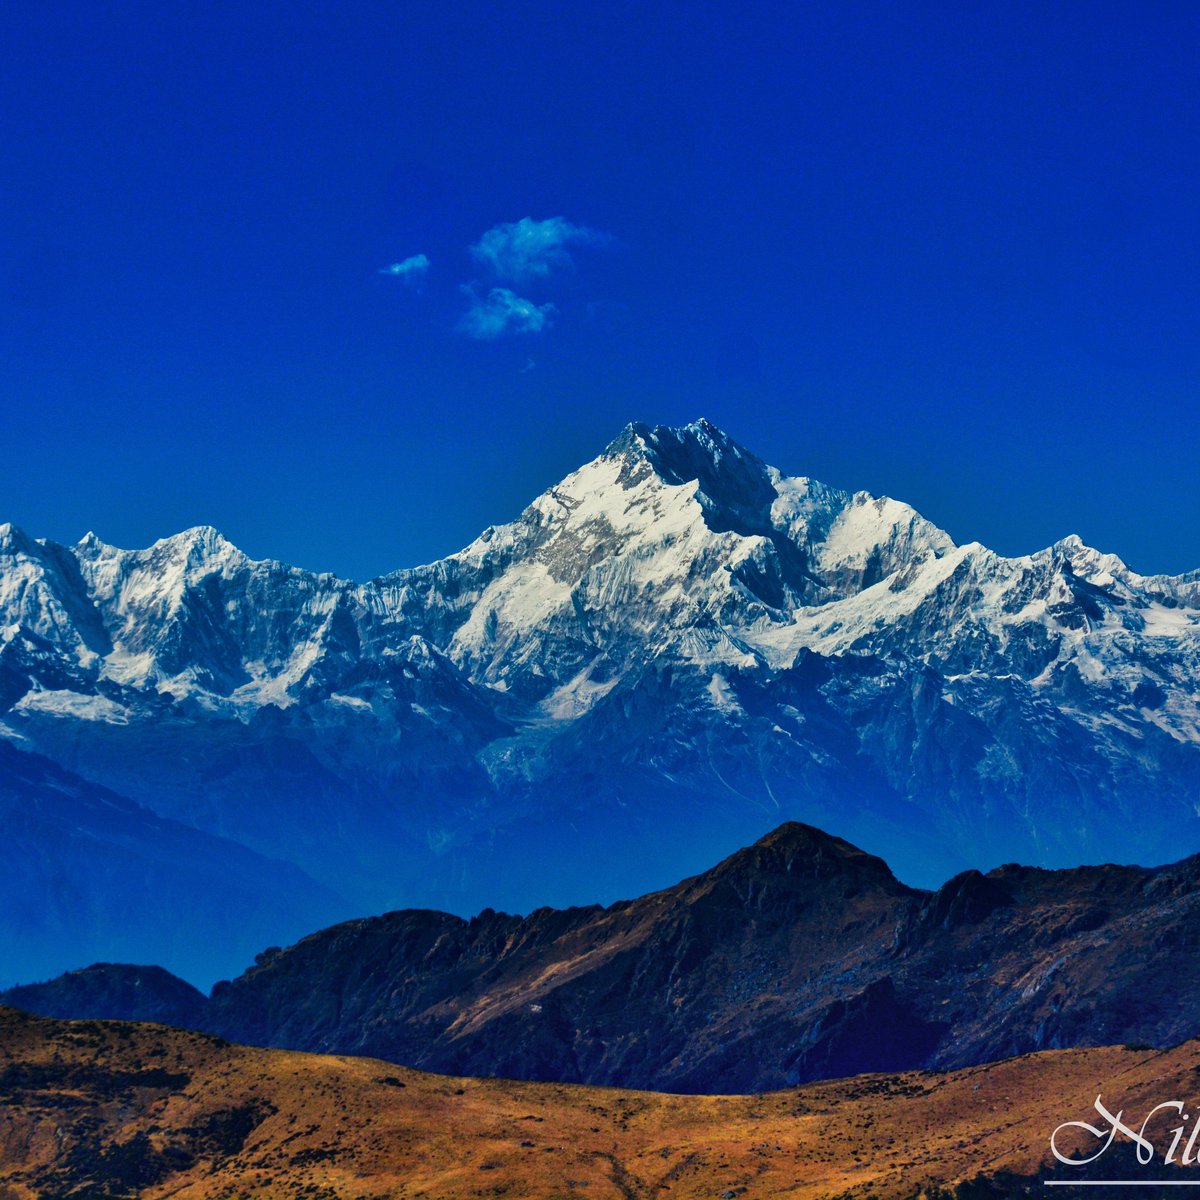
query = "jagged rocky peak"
x=203 y=538
x=24 y=560
x=667 y=530
x=139 y=589
x=800 y=862
x=42 y=592
x=200 y=546
x=31 y=557
x=666 y=525
x=198 y=540
x=14 y=540
x=736 y=490
x=830 y=542
x=91 y=546
x=725 y=473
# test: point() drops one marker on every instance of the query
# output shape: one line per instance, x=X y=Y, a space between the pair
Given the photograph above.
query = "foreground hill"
x=666 y=654
x=115 y=1111
x=798 y=958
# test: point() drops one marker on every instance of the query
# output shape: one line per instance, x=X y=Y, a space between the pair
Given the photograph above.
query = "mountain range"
x=798 y=958
x=663 y=657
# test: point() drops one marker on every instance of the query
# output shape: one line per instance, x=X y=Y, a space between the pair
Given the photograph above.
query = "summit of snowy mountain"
x=666 y=653
x=669 y=531
x=12 y=538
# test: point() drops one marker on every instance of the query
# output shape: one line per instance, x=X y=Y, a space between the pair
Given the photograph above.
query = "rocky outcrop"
x=798 y=958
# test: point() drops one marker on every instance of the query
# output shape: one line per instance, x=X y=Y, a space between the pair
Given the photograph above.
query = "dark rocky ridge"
x=797 y=958
x=115 y=991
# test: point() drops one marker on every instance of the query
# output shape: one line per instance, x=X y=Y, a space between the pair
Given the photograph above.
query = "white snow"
x=576 y=696
x=613 y=562
x=722 y=695
x=73 y=704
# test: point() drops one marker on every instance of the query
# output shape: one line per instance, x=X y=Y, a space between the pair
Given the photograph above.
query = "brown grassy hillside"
x=100 y=1110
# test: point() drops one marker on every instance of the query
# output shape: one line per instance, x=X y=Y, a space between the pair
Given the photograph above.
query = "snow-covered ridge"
x=669 y=531
x=675 y=623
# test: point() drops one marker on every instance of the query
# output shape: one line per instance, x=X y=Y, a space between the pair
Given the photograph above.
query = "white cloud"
x=501 y=312
x=411 y=270
x=528 y=249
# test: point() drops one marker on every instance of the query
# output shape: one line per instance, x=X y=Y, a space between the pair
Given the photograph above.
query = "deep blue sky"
x=944 y=251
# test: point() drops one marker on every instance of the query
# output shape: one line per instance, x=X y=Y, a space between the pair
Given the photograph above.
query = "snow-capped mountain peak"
x=715 y=627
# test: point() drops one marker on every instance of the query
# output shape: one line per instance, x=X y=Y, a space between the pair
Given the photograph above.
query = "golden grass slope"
x=101 y=1110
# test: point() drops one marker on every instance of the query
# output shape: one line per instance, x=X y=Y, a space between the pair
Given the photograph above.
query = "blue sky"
x=352 y=282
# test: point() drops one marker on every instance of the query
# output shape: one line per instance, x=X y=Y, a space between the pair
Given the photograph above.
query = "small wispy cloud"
x=412 y=270
x=522 y=250
x=502 y=312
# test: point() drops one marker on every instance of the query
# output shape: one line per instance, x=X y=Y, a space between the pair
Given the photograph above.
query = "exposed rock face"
x=798 y=958
x=662 y=657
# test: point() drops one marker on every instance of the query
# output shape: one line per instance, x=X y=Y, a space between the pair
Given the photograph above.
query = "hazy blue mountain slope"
x=662 y=657
x=85 y=873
